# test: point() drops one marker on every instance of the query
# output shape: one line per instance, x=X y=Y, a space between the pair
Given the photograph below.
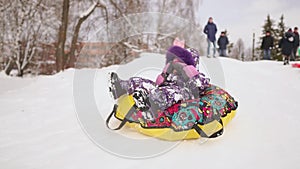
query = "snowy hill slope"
x=39 y=126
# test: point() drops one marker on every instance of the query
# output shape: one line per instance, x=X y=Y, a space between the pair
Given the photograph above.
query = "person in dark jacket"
x=267 y=44
x=223 y=42
x=296 y=44
x=287 y=45
x=210 y=30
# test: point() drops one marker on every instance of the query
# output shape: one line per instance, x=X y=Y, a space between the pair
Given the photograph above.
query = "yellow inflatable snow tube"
x=126 y=102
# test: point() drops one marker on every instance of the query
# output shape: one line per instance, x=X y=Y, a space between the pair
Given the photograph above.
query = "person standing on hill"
x=267 y=44
x=287 y=45
x=223 y=42
x=210 y=30
x=296 y=44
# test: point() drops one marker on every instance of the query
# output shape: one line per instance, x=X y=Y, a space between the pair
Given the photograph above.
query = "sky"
x=242 y=18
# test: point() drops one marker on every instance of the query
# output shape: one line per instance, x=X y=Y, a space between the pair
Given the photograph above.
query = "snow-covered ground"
x=39 y=125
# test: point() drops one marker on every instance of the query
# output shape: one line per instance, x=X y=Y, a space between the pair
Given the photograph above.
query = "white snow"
x=39 y=126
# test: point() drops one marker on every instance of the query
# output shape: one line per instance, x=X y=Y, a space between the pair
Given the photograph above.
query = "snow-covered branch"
x=125 y=17
x=88 y=11
x=83 y=17
x=166 y=36
x=132 y=47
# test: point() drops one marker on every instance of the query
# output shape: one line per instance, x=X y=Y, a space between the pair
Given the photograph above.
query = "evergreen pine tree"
x=281 y=27
x=269 y=25
x=279 y=34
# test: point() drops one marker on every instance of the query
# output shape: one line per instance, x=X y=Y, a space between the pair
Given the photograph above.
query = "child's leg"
x=120 y=87
x=166 y=96
x=116 y=86
x=285 y=59
x=138 y=83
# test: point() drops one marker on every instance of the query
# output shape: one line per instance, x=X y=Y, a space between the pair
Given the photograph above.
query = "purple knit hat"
x=181 y=54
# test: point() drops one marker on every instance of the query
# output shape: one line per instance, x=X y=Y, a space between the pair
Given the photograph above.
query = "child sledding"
x=181 y=104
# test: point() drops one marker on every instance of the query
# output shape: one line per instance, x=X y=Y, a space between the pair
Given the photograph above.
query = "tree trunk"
x=62 y=35
x=20 y=73
x=9 y=67
x=71 y=55
x=71 y=58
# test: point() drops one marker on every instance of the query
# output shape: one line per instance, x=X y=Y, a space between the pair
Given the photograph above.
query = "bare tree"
x=238 y=51
x=62 y=36
x=167 y=22
x=29 y=25
x=248 y=54
x=67 y=58
x=22 y=22
x=84 y=16
x=178 y=23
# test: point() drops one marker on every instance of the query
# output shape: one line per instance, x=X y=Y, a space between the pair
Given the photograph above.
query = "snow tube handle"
x=220 y=132
x=203 y=134
x=109 y=117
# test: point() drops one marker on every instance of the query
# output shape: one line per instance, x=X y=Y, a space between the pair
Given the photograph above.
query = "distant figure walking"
x=210 y=30
x=222 y=43
x=287 y=45
x=267 y=44
x=296 y=44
